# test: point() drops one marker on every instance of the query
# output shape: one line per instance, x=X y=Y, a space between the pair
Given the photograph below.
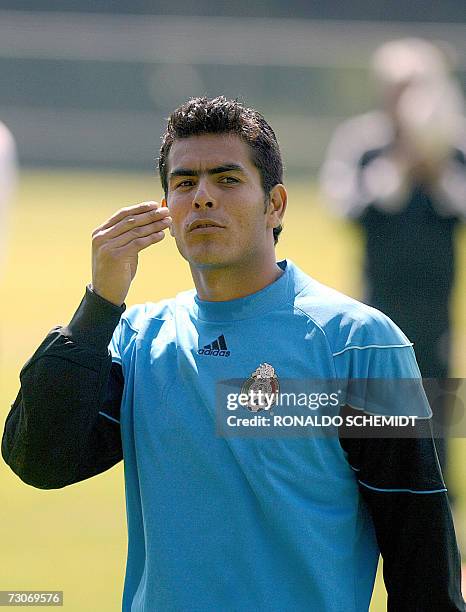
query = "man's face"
x=212 y=180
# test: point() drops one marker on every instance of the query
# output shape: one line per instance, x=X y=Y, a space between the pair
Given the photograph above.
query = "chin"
x=206 y=260
x=208 y=257
x=206 y=253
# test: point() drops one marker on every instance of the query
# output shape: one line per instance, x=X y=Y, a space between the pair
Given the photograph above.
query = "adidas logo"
x=218 y=348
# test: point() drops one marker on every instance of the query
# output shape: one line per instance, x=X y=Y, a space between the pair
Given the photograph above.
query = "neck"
x=219 y=284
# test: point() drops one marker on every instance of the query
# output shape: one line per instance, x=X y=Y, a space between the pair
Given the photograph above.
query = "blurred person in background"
x=8 y=177
x=400 y=173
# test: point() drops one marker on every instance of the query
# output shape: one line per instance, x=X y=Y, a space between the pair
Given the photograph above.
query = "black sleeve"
x=400 y=479
x=55 y=434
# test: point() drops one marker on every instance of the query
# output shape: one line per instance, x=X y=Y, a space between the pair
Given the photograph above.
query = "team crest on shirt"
x=260 y=387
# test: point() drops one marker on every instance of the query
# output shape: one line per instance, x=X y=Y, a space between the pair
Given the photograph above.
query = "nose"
x=202 y=197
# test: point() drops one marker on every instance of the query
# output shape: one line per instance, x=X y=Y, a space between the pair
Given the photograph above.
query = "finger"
x=134 y=221
x=128 y=210
x=139 y=232
x=138 y=244
x=131 y=221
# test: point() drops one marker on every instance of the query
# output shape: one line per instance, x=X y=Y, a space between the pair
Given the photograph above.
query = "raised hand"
x=116 y=245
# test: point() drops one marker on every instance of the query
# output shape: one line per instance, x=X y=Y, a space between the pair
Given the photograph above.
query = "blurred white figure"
x=400 y=173
x=419 y=124
x=8 y=181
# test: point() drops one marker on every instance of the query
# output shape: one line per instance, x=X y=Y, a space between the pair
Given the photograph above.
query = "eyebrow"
x=216 y=170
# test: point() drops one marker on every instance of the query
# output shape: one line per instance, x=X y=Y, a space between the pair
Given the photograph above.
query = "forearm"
x=417 y=540
x=401 y=483
x=64 y=385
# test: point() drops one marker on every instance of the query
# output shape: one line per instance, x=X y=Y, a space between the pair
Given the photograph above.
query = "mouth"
x=204 y=225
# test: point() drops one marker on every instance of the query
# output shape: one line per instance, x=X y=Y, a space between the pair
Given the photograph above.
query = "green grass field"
x=74 y=539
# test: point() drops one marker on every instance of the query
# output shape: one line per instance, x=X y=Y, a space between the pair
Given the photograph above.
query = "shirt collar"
x=268 y=298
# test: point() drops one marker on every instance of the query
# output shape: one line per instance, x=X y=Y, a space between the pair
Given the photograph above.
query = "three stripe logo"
x=217 y=348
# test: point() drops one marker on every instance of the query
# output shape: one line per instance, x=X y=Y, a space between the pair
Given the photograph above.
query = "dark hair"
x=222 y=116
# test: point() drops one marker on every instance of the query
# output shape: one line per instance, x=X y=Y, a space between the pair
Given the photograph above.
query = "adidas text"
x=213 y=352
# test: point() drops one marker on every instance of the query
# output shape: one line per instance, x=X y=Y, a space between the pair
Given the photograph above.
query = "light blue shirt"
x=245 y=523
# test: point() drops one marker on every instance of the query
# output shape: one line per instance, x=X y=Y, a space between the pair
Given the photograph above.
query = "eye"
x=186 y=183
x=228 y=180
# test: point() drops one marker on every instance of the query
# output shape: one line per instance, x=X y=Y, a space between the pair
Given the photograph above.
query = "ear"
x=277 y=205
x=164 y=204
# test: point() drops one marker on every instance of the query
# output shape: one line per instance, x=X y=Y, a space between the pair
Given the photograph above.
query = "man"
x=232 y=522
x=400 y=173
